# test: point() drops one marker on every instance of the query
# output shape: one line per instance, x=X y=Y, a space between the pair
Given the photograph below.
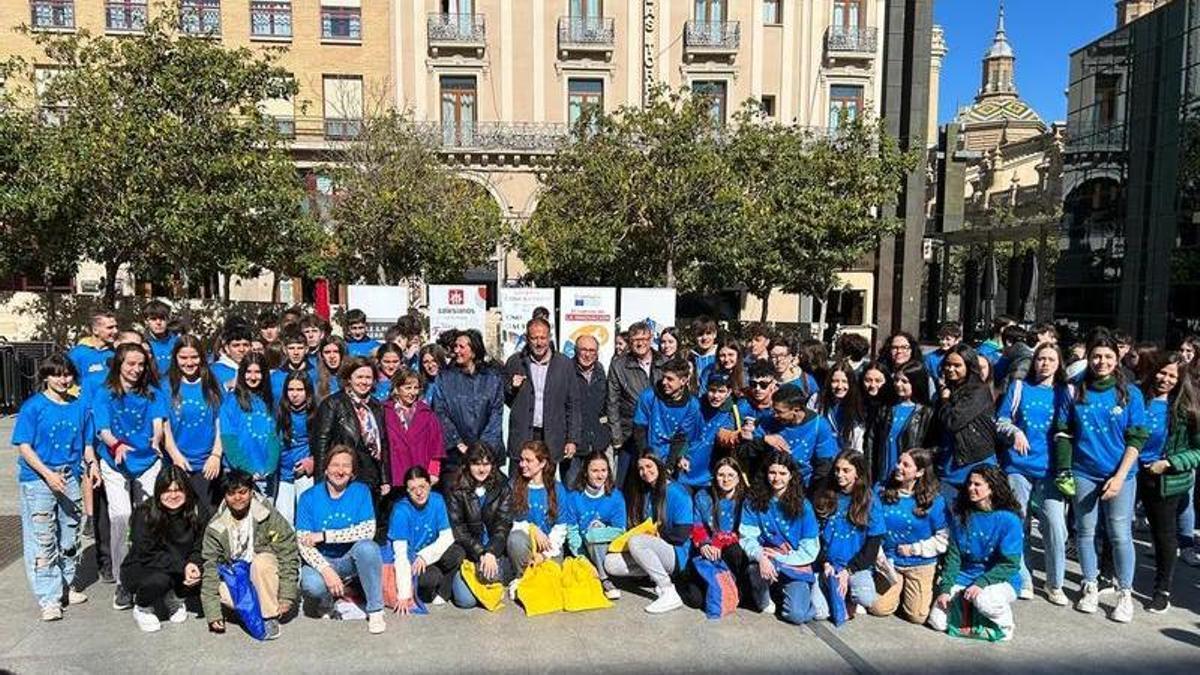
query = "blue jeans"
x=1041 y=495
x=362 y=562
x=861 y=590
x=463 y=598
x=1118 y=524
x=1186 y=524
x=50 y=537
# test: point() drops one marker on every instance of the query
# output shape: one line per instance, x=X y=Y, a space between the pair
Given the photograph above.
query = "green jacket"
x=272 y=534
x=1182 y=450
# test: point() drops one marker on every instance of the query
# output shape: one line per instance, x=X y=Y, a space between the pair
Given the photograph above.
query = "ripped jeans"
x=50 y=535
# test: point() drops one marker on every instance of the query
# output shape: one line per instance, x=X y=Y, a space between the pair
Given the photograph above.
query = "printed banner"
x=587 y=311
x=455 y=307
x=516 y=309
x=383 y=305
x=655 y=306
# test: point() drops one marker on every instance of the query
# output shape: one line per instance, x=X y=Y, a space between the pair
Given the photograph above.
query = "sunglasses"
x=763 y=384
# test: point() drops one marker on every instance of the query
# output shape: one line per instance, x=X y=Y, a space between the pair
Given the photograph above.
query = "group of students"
x=359 y=475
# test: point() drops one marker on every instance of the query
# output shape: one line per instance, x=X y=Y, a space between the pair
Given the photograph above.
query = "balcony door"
x=847 y=15
x=459 y=106
x=711 y=11
x=586 y=19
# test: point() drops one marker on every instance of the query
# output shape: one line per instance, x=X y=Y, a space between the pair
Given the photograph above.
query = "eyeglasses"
x=901 y=348
x=780 y=357
x=763 y=384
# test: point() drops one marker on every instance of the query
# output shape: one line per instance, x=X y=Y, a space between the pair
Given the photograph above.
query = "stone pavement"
x=96 y=639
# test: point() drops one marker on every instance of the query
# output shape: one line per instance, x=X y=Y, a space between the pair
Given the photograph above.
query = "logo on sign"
x=456 y=296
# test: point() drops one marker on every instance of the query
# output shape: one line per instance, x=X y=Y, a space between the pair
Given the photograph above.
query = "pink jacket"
x=418 y=445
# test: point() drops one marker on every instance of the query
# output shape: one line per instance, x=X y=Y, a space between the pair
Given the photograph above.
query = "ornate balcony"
x=457 y=32
x=851 y=43
x=493 y=137
x=586 y=34
x=713 y=38
x=1095 y=137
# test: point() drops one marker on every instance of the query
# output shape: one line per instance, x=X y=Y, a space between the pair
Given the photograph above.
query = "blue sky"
x=1043 y=33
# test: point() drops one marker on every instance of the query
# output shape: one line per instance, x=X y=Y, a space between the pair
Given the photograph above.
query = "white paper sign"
x=456 y=307
x=382 y=304
x=655 y=306
x=587 y=311
x=516 y=309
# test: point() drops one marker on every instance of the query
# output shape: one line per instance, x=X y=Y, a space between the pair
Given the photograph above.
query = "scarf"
x=367 y=425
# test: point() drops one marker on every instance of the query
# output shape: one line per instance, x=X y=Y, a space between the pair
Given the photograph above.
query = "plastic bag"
x=965 y=621
x=236 y=576
x=721 y=596
x=581 y=586
x=619 y=544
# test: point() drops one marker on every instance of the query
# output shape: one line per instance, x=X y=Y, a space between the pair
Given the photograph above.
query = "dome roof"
x=991 y=110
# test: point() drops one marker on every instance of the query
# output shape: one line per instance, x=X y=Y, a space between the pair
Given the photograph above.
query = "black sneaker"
x=1160 y=604
x=106 y=575
x=122 y=600
x=272 y=626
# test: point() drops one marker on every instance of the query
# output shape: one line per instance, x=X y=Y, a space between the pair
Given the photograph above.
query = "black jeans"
x=149 y=586
x=438 y=578
x=1161 y=512
x=101 y=528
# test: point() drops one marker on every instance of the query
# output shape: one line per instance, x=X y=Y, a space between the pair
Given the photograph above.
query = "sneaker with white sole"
x=1160 y=603
x=75 y=597
x=52 y=613
x=512 y=589
x=375 y=623
x=122 y=599
x=271 y=629
x=668 y=600
x=1124 y=610
x=438 y=600
x=1089 y=601
x=146 y=620
x=769 y=608
x=180 y=614
x=349 y=610
x=1026 y=592
x=1056 y=596
x=610 y=590
x=1106 y=586
x=1190 y=556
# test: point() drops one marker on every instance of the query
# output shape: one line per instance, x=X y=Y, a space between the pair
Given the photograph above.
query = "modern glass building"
x=1130 y=250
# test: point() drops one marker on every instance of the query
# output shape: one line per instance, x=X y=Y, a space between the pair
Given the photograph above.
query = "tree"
x=399 y=212
x=639 y=197
x=152 y=153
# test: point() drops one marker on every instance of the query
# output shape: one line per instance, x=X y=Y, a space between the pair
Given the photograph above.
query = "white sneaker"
x=438 y=601
x=1026 y=592
x=180 y=614
x=1124 y=611
x=610 y=590
x=146 y=620
x=1090 y=600
x=375 y=623
x=75 y=597
x=52 y=613
x=668 y=600
x=769 y=609
x=1056 y=597
x=349 y=611
x=512 y=589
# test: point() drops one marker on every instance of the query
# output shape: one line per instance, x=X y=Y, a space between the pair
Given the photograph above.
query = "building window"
x=459 y=106
x=586 y=9
x=51 y=107
x=52 y=14
x=341 y=23
x=271 y=19
x=200 y=17
x=773 y=11
x=767 y=105
x=716 y=93
x=843 y=97
x=125 y=15
x=343 y=106
x=711 y=11
x=583 y=95
x=847 y=14
x=1108 y=93
x=282 y=112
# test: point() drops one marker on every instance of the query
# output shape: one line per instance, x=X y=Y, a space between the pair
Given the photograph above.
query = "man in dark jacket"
x=594 y=433
x=541 y=393
x=469 y=402
x=628 y=377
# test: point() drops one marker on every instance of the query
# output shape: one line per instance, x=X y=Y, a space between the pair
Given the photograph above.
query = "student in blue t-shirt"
x=128 y=415
x=335 y=531
x=780 y=535
x=916 y=533
x=704 y=335
x=193 y=400
x=295 y=359
x=1027 y=418
x=1101 y=436
x=293 y=414
x=235 y=344
x=949 y=334
x=667 y=419
x=983 y=560
x=538 y=501
x=249 y=436
x=389 y=357
x=330 y=357
x=92 y=354
x=902 y=423
x=755 y=407
x=357 y=341
x=718 y=433
x=421 y=543
x=717 y=515
x=840 y=405
x=653 y=496
x=50 y=436
x=594 y=516
x=161 y=340
x=804 y=433
x=852 y=530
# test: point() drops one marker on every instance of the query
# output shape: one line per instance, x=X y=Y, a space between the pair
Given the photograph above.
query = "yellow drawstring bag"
x=619 y=544
x=540 y=590
x=489 y=595
x=581 y=587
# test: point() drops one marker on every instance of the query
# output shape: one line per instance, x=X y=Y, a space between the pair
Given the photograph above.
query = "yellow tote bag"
x=581 y=586
x=619 y=544
x=541 y=589
x=489 y=595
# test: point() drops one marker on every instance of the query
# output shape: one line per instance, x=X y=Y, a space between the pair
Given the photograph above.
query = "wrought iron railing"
x=586 y=31
x=857 y=39
x=713 y=34
x=1095 y=136
x=456 y=28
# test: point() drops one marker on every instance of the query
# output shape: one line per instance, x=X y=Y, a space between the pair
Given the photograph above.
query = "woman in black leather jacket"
x=964 y=420
x=353 y=417
x=902 y=424
x=480 y=506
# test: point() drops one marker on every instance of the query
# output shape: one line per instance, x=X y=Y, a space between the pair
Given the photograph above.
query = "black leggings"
x=1161 y=512
x=149 y=586
x=438 y=578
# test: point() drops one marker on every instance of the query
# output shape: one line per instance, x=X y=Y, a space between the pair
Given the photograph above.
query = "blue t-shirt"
x=990 y=350
x=663 y=421
x=702 y=512
x=364 y=347
x=987 y=538
x=1099 y=425
x=583 y=510
x=1157 y=413
x=842 y=539
x=277 y=378
x=130 y=417
x=318 y=512
x=811 y=439
x=762 y=416
x=699 y=473
x=417 y=526
x=90 y=360
x=226 y=374
x=297 y=449
x=702 y=365
x=55 y=431
x=1036 y=415
x=382 y=390
x=903 y=526
x=193 y=421
x=776 y=529
x=250 y=438
x=678 y=507
x=161 y=349
x=933 y=362
x=539 y=507
x=901 y=414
